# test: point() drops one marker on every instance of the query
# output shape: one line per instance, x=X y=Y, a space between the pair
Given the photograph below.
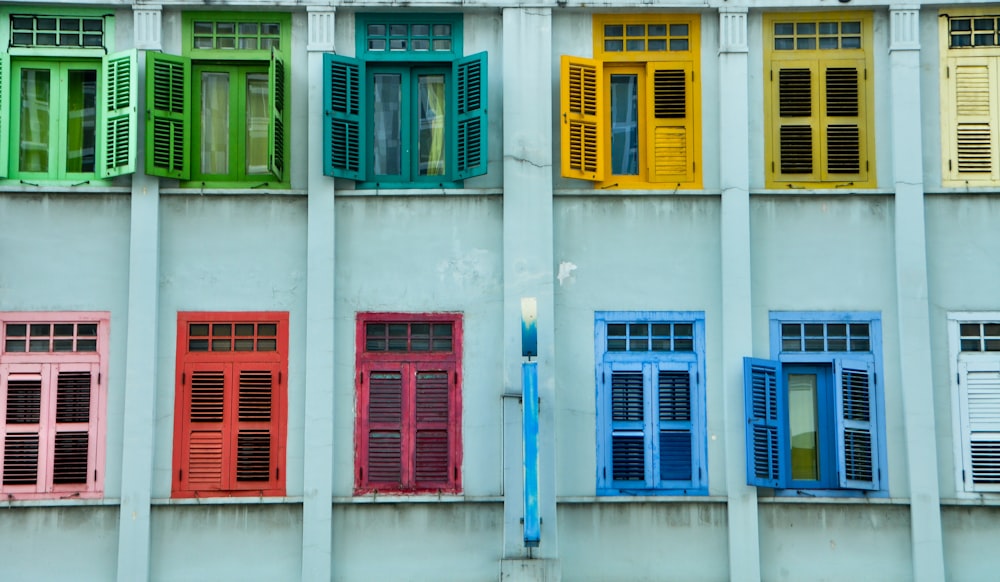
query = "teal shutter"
x=764 y=401
x=469 y=123
x=168 y=116
x=857 y=437
x=4 y=113
x=628 y=426
x=276 y=127
x=674 y=440
x=344 y=130
x=119 y=107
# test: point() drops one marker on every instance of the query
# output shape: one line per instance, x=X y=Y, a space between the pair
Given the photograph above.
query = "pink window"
x=408 y=423
x=53 y=391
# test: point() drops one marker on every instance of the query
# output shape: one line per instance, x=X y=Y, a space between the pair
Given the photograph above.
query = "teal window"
x=217 y=112
x=410 y=111
x=67 y=108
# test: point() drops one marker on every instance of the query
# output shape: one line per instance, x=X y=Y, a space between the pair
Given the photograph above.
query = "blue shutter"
x=674 y=385
x=119 y=113
x=276 y=124
x=344 y=151
x=628 y=404
x=5 y=114
x=857 y=434
x=765 y=403
x=470 y=124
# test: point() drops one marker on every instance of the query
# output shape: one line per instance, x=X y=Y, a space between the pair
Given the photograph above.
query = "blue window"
x=814 y=411
x=650 y=403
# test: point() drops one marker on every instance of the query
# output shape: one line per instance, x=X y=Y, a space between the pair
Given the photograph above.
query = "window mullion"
x=652 y=428
x=47 y=428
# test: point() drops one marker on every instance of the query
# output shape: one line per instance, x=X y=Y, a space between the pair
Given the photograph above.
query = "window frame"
x=229 y=362
x=51 y=363
x=408 y=363
x=651 y=362
x=838 y=363
x=818 y=61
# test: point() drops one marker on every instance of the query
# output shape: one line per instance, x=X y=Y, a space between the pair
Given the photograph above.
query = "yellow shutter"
x=670 y=137
x=844 y=144
x=970 y=114
x=795 y=111
x=583 y=119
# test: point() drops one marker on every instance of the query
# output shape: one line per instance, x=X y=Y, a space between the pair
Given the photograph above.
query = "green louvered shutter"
x=4 y=113
x=119 y=107
x=168 y=116
x=276 y=126
x=470 y=125
x=344 y=115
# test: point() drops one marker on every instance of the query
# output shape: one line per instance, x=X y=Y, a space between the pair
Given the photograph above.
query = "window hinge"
x=947 y=72
x=866 y=166
x=699 y=473
x=866 y=74
x=279 y=378
x=604 y=472
x=361 y=376
x=697 y=377
x=692 y=76
x=454 y=473
x=963 y=475
x=183 y=378
x=455 y=374
x=949 y=165
x=180 y=474
x=95 y=475
x=772 y=75
x=958 y=378
x=277 y=472
x=98 y=378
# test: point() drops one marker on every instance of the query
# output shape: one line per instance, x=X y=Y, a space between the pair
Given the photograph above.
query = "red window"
x=53 y=390
x=229 y=420
x=408 y=436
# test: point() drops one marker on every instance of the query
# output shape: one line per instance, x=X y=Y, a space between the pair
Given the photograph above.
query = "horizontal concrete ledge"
x=448 y=192
x=232 y=192
x=397 y=499
x=229 y=501
x=618 y=193
x=521 y=570
x=64 y=189
x=59 y=503
x=693 y=499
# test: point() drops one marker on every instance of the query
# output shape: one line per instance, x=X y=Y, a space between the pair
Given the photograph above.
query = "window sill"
x=845 y=191
x=627 y=192
x=398 y=499
x=22 y=188
x=61 y=502
x=420 y=192
x=231 y=192
x=640 y=498
x=973 y=500
x=828 y=498
x=227 y=501
x=953 y=190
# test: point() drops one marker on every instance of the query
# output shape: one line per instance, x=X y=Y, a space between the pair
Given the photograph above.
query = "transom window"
x=28 y=30
x=821 y=35
x=641 y=37
x=825 y=337
x=415 y=37
x=225 y=35
x=978 y=31
x=408 y=337
x=50 y=337
x=229 y=336
x=650 y=337
x=980 y=337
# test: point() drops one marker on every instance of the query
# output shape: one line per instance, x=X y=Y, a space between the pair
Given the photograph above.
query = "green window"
x=412 y=111
x=216 y=114
x=66 y=114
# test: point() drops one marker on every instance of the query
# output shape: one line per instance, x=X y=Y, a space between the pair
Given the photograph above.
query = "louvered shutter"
x=857 y=434
x=766 y=414
x=205 y=446
x=796 y=109
x=433 y=389
x=74 y=427
x=4 y=113
x=628 y=391
x=119 y=113
x=670 y=134
x=979 y=393
x=276 y=125
x=674 y=438
x=583 y=118
x=970 y=113
x=168 y=116
x=845 y=155
x=469 y=129
x=256 y=458
x=382 y=427
x=344 y=135
x=23 y=398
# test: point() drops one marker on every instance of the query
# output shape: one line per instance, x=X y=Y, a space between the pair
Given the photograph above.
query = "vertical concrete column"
x=911 y=295
x=139 y=413
x=528 y=272
x=317 y=480
x=737 y=333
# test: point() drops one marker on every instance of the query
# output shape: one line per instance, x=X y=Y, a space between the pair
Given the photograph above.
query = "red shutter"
x=383 y=459
x=431 y=450
x=256 y=432
x=204 y=448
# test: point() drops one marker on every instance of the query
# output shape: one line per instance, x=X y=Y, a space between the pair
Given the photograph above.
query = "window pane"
x=244 y=329
x=387 y=149
x=266 y=345
x=214 y=123
x=81 y=121
x=198 y=329
x=802 y=425
x=86 y=345
x=624 y=125
x=222 y=329
x=15 y=345
x=243 y=345
x=17 y=330
x=431 y=112
x=63 y=329
x=35 y=111
x=258 y=118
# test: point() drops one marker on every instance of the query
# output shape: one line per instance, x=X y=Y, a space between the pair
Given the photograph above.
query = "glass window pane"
x=662 y=329
x=442 y=330
x=15 y=345
x=659 y=29
x=244 y=329
x=990 y=328
x=63 y=329
x=243 y=345
x=784 y=44
x=992 y=345
x=442 y=30
x=683 y=345
x=850 y=42
x=22 y=23
x=93 y=25
x=829 y=28
x=657 y=45
x=376 y=44
x=784 y=28
x=421 y=44
x=248 y=28
x=431 y=108
x=805 y=44
x=222 y=329
x=40 y=329
x=16 y=330
x=640 y=344
x=660 y=345
x=220 y=345
x=616 y=329
x=248 y=44
x=803 y=425
x=266 y=345
x=613 y=30
x=81 y=121
x=225 y=42
x=387 y=150
x=38 y=345
x=635 y=30
x=86 y=345
x=970 y=345
x=198 y=345
x=214 y=123
x=398 y=345
x=202 y=27
x=420 y=345
x=69 y=24
x=421 y=30
x=257 y=122
x=203 y=42
x=616 y=345
x=45 y=24
x=614 y=46
x=198 y=329
x=35 y=132
x=678 y=44
x=805 y=28
x=624 y=125
x=443 y=44
x=635 y=329
x=270 y=28
x=375 y=345
x=829 y=43
x=441 y=345
x=850 y=27
x=398 y=330
x=225 y=28
x=635 y=45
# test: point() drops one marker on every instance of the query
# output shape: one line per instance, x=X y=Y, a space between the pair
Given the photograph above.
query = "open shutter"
x=23 y=398
x=119 y=107
x=276 y=125
x=670 y=124
x=765 y=403
x=470 y=125
x=4 y=113
x=970 y=113
x=583 y=118
x=674 y=442
x=75 y=427
x=431 y=465
x=845 y=155
x=979 y=392
x=344 y=151
x=857 y=434
x=628 y=395
x=205 y=446
x=383 y=428
x=168 y=116
x=795 y=109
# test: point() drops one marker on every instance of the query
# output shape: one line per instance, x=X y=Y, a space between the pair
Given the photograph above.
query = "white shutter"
x=979 y=395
